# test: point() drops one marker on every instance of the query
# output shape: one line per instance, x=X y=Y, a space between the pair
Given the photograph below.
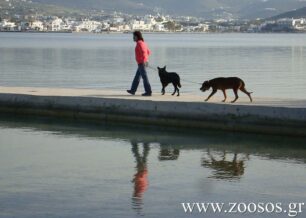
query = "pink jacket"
x=142 y=52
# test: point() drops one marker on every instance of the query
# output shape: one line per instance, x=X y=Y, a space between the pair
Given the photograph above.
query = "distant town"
x=102 y=22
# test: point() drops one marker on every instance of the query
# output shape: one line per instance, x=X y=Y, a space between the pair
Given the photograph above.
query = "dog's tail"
x=179 y=84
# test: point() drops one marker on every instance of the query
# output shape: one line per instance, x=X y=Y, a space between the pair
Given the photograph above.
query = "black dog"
x=222 y=83
x=167 y=77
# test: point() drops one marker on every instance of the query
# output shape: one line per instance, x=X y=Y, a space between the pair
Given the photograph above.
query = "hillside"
x=298 y=13
x=204 y=8
x=18 y=7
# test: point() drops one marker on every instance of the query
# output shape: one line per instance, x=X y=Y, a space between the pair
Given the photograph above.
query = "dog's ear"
x=158 y=68
x=165 y=67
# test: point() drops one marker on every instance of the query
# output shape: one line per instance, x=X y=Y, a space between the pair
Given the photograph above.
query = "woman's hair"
x=138 y=35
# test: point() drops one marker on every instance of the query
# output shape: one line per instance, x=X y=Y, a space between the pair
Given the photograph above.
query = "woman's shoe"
x=146 y=94
x=130 y=92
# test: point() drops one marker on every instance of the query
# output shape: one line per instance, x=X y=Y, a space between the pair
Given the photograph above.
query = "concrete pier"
x=268 y=116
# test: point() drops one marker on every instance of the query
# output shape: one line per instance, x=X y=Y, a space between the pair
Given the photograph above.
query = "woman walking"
x=142 y=53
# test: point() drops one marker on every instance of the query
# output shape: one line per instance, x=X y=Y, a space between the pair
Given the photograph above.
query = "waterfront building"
x=6 y=25
x=56 y=24
x=88 y=26
x=37 y=25
x=141 y=25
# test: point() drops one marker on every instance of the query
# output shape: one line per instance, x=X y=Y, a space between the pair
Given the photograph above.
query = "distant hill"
x=298 y=13
x=209 y=9
x=249 y=9
x=18 y=7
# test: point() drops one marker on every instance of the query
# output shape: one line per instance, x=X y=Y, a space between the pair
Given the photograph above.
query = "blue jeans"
x=141 y=72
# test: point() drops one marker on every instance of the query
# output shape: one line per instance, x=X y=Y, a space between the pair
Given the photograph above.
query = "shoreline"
x=264 y=116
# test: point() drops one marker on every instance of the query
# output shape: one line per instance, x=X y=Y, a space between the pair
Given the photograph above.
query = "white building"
x=159 y=27
x=204 y=27
x=88 y=25
x=69 y=24
x=56 y=24
x=124 y=28
x=6 y=25
x=113 y=29
x=299 y=24
x=149 y=19
x=37 y=25
x=141 y=25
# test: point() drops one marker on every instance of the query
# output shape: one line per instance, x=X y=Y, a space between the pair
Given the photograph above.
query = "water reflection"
x=140 y=179
x=172 y=142
x=168 y=154
x=140 y=151
x=225 y=165
x=179 y=155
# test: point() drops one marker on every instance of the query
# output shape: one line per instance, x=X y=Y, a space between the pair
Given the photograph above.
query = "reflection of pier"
x=223 y=167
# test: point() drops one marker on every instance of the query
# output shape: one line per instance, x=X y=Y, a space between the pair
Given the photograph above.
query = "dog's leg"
x=178 y=92
x=246 y=92
x=163 y=90
x=236 y=95
x=174 y=89
x=211 y=94
x=224 y=93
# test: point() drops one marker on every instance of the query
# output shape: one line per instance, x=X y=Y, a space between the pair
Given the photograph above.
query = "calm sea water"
x=272 y=65
x=53 y=169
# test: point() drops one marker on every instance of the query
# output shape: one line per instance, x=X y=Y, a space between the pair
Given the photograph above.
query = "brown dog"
x=222 y=83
